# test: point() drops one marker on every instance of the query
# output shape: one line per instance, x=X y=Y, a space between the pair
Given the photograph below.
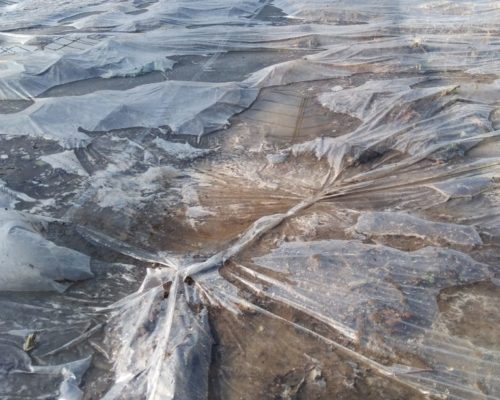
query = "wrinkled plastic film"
x=242 y=200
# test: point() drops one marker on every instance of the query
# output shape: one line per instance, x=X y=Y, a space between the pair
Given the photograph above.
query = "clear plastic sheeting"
x=403 y=225
x=32 y=263
x=205 y=107
x=164 y=345
x=377 y=296
x=249 y=200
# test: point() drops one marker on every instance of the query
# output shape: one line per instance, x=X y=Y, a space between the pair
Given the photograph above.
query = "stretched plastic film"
x=249 y=199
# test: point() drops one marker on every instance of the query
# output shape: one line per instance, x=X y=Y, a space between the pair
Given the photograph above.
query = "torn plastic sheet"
x=242 y=200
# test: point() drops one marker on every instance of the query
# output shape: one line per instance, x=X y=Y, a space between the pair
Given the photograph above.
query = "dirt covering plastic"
x=249 y=199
